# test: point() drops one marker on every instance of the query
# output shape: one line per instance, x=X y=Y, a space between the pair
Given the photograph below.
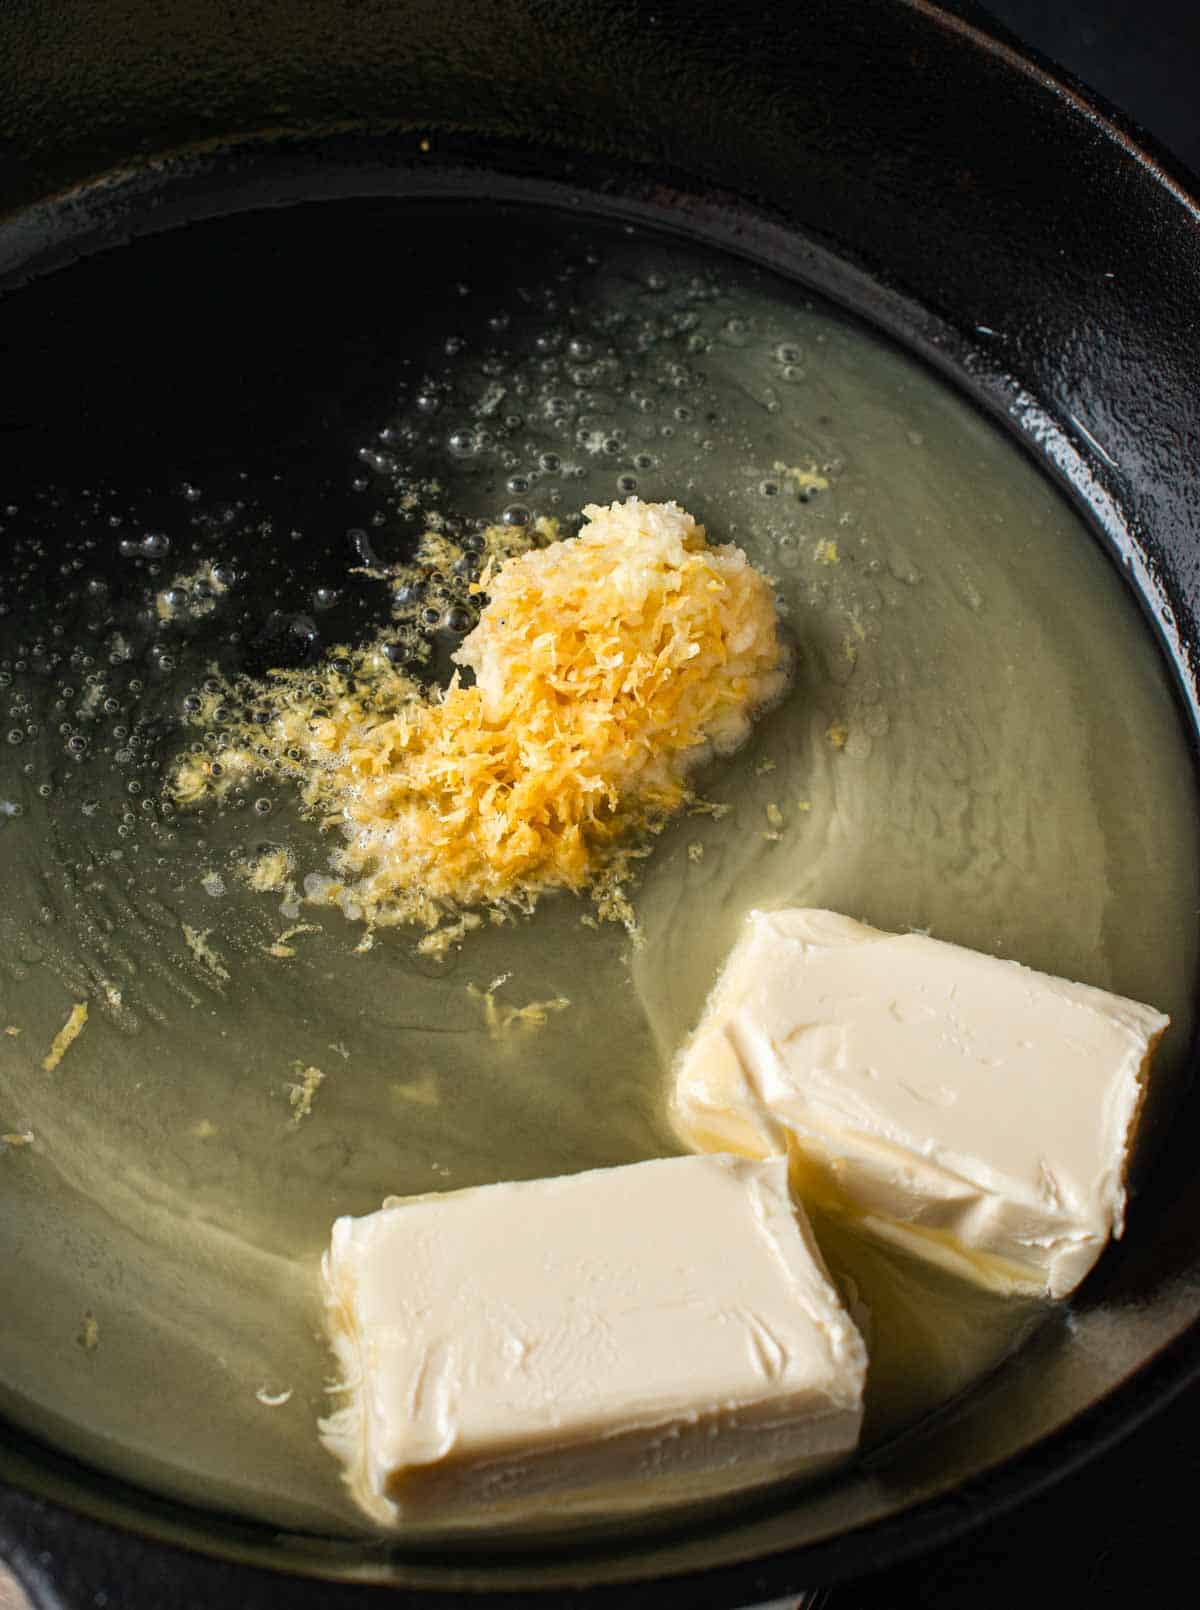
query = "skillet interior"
x=1134 y=489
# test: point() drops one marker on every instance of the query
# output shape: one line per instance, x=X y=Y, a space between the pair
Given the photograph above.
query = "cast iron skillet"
x=1023 y=240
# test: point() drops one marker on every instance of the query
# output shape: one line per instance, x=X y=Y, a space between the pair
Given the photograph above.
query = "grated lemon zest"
x=606 y=668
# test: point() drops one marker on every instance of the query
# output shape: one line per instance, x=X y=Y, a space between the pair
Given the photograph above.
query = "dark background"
x=1124 y=1531
x=1142 y=55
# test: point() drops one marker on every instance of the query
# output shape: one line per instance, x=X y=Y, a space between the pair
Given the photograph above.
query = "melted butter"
x=980 y=741
x=929 y=1334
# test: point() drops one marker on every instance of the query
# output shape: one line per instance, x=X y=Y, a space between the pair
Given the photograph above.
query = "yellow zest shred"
x=269 y=871
x=279 y=946
x=66 y=1036
x=452 y=933
x=807 y=480
x=708 y=807
x=501 y=1019
x=300 y=1094
x=210 y=959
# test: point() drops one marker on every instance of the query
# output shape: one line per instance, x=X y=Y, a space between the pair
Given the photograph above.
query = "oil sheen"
x=979 y=741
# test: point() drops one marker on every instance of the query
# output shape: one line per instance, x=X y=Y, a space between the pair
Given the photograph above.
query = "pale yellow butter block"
x=968 y=1108
x=592 y=1345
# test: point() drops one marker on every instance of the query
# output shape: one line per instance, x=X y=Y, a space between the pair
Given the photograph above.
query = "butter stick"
x=592 y=1345
x=976 y=1112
